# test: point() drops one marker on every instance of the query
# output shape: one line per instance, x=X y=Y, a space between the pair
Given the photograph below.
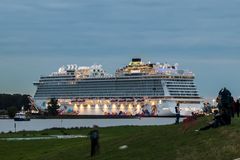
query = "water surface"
x=40 y=124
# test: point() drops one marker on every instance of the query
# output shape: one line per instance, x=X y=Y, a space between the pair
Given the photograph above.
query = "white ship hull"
x=160 y=107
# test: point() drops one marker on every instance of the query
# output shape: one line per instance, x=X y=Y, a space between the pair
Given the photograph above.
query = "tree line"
x=14 y=100
x=12 y=103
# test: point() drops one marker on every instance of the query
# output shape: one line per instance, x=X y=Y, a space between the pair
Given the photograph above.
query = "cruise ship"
x=148 y=89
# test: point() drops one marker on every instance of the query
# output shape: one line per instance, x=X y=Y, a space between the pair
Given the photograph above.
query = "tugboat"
x=21 y=116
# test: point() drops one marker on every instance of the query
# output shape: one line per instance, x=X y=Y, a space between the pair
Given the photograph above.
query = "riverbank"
x=95 y=117
x=90 y=117
x=149 y=142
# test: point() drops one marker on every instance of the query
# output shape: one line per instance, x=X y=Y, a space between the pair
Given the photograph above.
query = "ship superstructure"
x=136 y=89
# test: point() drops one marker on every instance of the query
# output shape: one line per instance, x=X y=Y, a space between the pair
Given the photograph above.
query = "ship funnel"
x=136 y=60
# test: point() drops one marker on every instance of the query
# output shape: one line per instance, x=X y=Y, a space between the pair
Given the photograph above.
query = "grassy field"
x=154 y=142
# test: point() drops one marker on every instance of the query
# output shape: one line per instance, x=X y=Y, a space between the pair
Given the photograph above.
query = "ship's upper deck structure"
x=138 y=79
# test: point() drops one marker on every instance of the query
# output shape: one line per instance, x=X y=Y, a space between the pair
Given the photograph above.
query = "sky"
x=38 y=37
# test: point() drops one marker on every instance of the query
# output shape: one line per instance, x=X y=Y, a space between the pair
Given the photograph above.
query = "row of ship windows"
x=185 y=95
x=102 y=92
x=109 y=95
x=116 y=89
x=102 y=89
x=105 y=89
x=173 y=89
x=58 y=76
x=174 y=78
x=120 y=82
x=176 y=84
x=102 y=85
x=116 y=81
x=115 y=92
x=115 y=85
x=176 y=90
x=119 y=91
x=57 y=80
x=183 y=92
x=109 y=82
x=101 y=80
x=181 y=86
x=176 y=81
x=95 y=95
x=173 y=84
x=132 y=91
x=99 y=92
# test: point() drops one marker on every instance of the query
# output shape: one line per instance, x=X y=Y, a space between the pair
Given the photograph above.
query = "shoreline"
x=92 y=117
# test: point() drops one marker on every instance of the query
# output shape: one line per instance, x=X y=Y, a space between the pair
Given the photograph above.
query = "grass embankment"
x=153 y=142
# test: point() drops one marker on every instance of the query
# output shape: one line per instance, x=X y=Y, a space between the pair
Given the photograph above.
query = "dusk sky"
x=38 y=37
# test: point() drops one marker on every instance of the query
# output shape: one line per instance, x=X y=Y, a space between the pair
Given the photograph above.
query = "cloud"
x=198 y=34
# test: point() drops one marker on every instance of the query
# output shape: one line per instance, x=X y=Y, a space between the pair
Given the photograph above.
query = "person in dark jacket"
x=232 y=107
x=94 y=137
x=225 y=101
x=177 y=110
x=237 y=107
x=216 y=122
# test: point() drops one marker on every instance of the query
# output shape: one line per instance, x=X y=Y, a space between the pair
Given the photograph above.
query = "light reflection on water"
x=40 y=124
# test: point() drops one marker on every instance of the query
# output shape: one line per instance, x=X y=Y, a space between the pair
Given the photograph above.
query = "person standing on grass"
x=225 y=102
x=233 y=109
x=237 y=107
x=177 y=110
x=94 y=137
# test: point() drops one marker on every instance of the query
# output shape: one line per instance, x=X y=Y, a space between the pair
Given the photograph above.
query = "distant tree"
x=12 y=111
x=53 y=107
x=26 y=102
x=17 y=100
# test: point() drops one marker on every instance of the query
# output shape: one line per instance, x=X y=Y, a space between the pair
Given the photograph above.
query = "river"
x=7 y=125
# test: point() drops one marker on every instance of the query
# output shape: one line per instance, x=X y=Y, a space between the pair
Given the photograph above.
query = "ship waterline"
x=137 y=89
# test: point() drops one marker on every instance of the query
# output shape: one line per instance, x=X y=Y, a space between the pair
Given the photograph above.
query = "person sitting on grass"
x=216 y=122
